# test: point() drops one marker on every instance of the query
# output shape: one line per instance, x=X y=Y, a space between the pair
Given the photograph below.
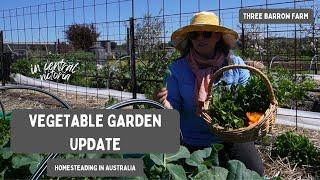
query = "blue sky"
x=50 y=26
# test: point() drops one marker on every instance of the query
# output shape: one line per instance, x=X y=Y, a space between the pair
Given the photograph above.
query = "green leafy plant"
x=297 y=148
x=253 y=96
x=4 y=128
x=23 y=66
x=226 y=113
x=201 y=164
x=229 y=104
x=4 y=131
x=14 y=165
x=287 y=88
x=154 y=69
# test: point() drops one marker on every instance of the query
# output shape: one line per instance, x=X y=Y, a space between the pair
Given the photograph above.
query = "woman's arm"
x=244 y=74
x=236 y=76
x=174 y=96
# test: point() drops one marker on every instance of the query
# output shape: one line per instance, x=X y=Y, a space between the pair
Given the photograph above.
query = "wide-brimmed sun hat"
x=202 y=21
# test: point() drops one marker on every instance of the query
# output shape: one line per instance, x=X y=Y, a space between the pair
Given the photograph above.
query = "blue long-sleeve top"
x=180 y=86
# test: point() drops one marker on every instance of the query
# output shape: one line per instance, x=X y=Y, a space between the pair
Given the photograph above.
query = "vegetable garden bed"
x=281 y=166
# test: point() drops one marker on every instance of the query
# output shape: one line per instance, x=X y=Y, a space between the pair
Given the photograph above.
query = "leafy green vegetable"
x=237 y=170
x=182 y=153
x=6 y=153
x=33 y=160
x=198 y=156
x=157 y=158
x=7 y=116
x=230 y=103
x=216 y=173
x=5 y=128
x=214 y=158
x=5 y=132
x=201 y=164
x=297 y=148
x=254 y=96
x=177 y=171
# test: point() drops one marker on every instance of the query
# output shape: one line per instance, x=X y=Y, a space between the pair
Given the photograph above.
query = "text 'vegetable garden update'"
x=134 y=131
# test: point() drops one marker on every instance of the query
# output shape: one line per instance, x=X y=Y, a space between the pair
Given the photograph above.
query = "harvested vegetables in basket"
x=240 y=113
x=238 y=106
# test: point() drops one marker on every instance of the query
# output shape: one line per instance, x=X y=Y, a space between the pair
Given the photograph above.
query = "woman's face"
x=204 y=42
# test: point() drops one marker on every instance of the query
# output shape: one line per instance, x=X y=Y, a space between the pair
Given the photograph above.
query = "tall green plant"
x=287 y=88
x=154 y=69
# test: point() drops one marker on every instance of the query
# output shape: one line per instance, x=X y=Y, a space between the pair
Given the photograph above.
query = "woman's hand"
x=161 y=96
x=256 y=64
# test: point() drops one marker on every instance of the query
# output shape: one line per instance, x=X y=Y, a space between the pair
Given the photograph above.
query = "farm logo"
x=276 y=16
x=55 y=70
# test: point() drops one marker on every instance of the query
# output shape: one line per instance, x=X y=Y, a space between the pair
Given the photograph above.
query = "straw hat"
x=202 y=21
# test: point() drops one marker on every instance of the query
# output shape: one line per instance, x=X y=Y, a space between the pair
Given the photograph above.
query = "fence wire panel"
x=107 y=70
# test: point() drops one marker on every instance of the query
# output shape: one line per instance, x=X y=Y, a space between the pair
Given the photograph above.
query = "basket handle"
x=265 y=79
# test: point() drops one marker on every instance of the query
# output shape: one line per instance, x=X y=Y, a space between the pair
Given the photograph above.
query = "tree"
x=148 y=34
x=82 y=37
x=254 y=42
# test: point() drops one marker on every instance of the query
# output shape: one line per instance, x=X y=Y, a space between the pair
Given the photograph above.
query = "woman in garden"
x=205 y=47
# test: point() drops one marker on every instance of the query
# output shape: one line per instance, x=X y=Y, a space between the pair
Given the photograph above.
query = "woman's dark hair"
x=186 y=50
x=220 y=46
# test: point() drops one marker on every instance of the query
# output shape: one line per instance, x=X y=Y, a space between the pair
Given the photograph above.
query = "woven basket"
x=252 y=132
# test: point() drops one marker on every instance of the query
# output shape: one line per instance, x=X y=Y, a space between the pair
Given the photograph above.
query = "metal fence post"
x=295 y=67
x=315 y=48
x=133 y=60
x=58 y=47
x=242 y=33
x=2 y=59
x=267 y=48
